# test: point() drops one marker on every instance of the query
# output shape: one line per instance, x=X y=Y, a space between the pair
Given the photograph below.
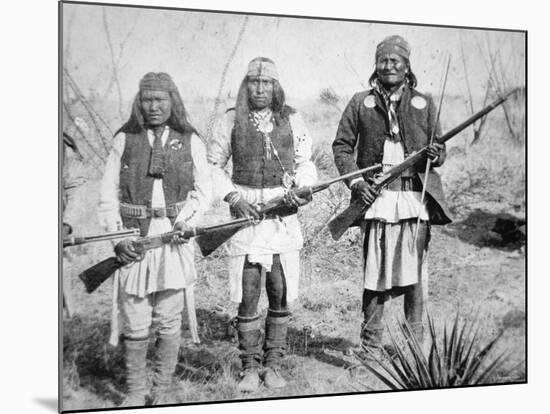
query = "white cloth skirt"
x=168 y=267
x=390 y=258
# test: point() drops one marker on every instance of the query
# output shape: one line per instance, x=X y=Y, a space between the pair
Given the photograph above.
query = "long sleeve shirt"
x=277 y=236
x=394 y=206
x=171 y=266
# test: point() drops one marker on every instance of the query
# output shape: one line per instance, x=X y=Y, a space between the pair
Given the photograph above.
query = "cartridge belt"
x=405 y=184
x=144 y=212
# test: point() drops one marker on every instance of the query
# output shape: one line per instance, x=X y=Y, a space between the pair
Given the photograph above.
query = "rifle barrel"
x=76 y=240
x=236 y=222
x=445 y=137
x=101 y=237
x=352 y=174
x=413 y=158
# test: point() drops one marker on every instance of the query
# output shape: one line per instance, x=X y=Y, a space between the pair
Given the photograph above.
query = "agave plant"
x=457 y=360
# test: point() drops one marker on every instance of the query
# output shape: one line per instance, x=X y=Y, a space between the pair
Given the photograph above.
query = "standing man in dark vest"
x=156 y=179
x=385 y=124
x=271 y=153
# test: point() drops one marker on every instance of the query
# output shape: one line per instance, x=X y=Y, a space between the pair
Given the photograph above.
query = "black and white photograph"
x=259 y=206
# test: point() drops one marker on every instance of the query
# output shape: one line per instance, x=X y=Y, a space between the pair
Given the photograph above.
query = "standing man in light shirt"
x=385 y=124
x=271 y=153
x=156 y=179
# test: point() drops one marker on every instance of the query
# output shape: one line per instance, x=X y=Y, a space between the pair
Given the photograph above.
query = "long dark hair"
x=280 y=109
x=410 y=77
x=177 y=121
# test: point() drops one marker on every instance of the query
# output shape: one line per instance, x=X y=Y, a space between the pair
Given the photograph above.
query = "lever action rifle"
x=76 y=240
x=357 y=208
x=97 y=274
x=208 y=238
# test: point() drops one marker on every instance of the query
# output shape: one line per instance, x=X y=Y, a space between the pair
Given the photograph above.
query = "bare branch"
x=222 y=80
x=113 y=61
x=119 y=57
x=83 y=136
x=467 y=79
x=67 y=36
x=94 y=115
x=330 y=97
x=67 y=49
x=505 y=106
x=478 y=132
x=493 y=83
x=498 y=86
x=350 y=67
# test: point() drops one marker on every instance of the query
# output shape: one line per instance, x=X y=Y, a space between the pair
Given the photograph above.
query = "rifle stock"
x=357 y=208
x=344 y=220
x=210 y=242
x=94 y=276
x=99 y=273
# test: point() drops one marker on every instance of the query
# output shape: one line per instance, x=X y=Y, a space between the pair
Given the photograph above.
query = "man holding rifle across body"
x=271 y=153
x=156 y=179
x=386 y=124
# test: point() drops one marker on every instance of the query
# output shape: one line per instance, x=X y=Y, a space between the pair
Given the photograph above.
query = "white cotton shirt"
x=394 y=206
x=277 y=236
x=170 y=266
x=391 y=258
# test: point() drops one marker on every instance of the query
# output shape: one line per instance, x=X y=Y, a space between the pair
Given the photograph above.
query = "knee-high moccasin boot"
x=276 y=327
x=371 y=335
x=166 y=358
x=135 y=354
x=248 y=329
x=414 y=309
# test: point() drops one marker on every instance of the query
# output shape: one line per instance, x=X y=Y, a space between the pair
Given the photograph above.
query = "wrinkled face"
x=391 y=69
x=156 y=107
x=260 y=91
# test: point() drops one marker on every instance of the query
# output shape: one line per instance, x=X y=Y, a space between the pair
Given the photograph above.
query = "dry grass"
x=481 y=182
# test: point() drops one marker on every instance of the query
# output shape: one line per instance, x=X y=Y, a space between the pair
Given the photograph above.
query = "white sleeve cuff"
x=355 y=180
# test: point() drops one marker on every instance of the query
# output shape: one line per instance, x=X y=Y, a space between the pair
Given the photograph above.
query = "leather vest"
x=250 y=166
x=136 y=185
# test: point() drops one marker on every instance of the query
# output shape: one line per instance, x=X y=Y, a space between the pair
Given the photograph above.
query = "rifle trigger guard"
x=254 y=221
